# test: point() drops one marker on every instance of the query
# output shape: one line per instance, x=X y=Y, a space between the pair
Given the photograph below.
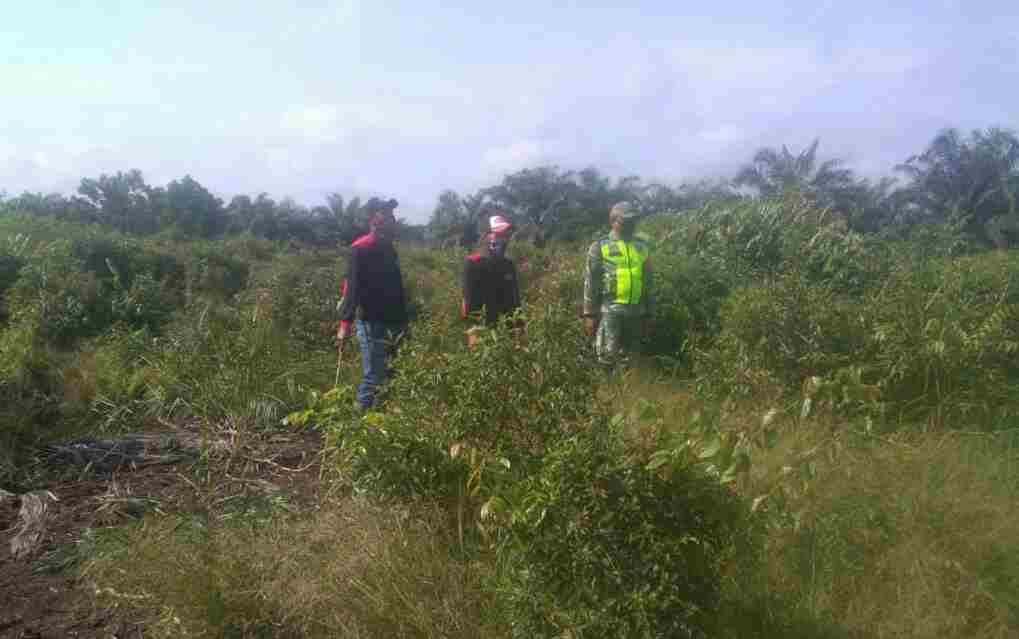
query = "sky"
x=304 y=98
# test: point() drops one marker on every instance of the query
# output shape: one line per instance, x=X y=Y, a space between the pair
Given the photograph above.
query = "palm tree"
x=773 y=172
x=968 y=182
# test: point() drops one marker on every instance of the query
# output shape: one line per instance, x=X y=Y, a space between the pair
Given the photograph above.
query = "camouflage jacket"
x=618 y=277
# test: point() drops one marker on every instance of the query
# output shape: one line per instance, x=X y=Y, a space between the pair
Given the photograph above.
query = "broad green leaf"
x=711 y=449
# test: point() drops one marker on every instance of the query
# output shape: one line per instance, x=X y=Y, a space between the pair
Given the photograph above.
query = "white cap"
x=498 y=224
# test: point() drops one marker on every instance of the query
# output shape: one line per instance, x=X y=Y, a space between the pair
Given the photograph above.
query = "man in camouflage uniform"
x=618 y=299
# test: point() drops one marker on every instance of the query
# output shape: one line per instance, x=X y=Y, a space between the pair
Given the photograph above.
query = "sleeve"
x=593 y=282
x=649 y=288
x=350 y=289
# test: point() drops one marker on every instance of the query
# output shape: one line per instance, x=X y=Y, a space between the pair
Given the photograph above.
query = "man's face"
x=384 y=226
x=624 y=228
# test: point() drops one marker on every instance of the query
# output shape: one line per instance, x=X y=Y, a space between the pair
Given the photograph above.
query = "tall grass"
x=347 y=570
x=903 y=537
x=872 y=385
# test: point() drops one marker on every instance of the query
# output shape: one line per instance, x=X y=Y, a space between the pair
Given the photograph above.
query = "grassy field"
x=820 y=440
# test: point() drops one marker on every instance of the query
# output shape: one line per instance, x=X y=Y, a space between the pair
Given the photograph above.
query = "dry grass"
x=347 y=570
x=913 y=535
x=907 y=537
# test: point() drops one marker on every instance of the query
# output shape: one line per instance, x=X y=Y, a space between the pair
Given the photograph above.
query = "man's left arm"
x=515 y=274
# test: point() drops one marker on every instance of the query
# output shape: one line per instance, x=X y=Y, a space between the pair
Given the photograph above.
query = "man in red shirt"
x=373 y=298
x=491 y=289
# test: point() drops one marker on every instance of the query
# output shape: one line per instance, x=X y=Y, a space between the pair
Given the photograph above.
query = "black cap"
x=376 y=205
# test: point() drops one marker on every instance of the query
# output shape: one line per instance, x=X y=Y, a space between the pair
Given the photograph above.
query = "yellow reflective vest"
x=618 y=272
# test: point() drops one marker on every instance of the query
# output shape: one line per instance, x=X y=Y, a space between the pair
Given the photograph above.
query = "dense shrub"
x=935 y=341
x=230 y=370
x=450 y=411
x=298 y=295
x=627 y=546
x=786 y=328
x=689 y=296
x=946 y=335
x=213 y=272
x=610 y=542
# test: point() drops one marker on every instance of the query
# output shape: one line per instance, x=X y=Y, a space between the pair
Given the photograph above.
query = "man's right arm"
x=350 y=291
x=592 y=289
x=593 y=282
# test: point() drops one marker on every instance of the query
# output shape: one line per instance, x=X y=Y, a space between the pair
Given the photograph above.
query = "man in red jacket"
x=491 y=289
x=373 y=298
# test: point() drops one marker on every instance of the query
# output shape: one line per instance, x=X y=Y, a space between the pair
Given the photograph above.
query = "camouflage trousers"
x=619 y=333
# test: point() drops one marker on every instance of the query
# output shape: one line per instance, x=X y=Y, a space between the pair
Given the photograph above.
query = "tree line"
x=969 y=182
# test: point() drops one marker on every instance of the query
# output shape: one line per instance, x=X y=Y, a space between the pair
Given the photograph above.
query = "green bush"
x=945 y=337
x=27 y=394
x=215 y=273
x=450 y=411
x=79 y=289
x=689 y=296
x=224 y=368
x=10 y=265
x=608 y=542
x=298 y=296
x=935 y=341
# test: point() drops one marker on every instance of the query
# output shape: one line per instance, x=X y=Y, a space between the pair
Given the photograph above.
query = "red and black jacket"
x=490 y=283
x=373 y=288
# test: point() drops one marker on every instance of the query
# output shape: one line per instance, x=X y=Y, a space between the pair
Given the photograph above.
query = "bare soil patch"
x=40 y=594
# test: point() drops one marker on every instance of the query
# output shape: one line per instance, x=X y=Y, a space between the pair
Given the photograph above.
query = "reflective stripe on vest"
x=628 y=270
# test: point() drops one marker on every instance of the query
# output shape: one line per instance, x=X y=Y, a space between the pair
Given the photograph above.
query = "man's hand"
x=342 y=333
x=590 y=326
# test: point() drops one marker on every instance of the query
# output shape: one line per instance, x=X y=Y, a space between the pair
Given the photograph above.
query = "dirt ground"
x=41 y=596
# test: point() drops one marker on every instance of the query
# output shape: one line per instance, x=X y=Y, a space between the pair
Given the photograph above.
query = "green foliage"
x=896 y=330
x=610 y=542
x=451 y=411
x=78 y=290
x=298 y=294
x=945 y=339
x=689 y=295
x=187 y=573
x=122 y=201
x=213 y=272
x=751 y=238
x=578 y=529
x=889 y=538
x=231 y=371
x=785 y=329
x=26 y=389
x=829 y=184
x=193 y=209
x=489 y=432
x=9 y=267
x=966 y=182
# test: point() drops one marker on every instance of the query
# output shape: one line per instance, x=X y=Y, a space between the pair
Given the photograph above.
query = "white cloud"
x=511 y=157
x=7 y=153
x=722 y=135
x=326 y=123
x=317 y=122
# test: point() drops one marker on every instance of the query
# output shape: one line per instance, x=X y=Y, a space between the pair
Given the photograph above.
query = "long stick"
x=339 y=360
